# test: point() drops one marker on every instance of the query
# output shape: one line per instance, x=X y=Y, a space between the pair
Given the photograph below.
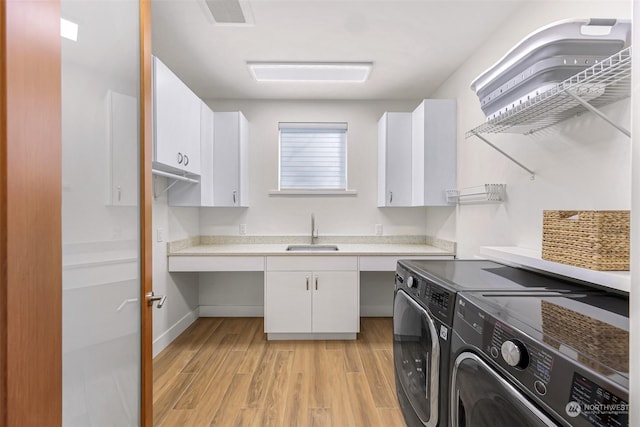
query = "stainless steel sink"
x=314 y=248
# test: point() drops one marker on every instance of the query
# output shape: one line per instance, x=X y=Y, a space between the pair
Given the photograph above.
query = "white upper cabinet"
x=201 y=193
x=230 y=159
x=394 y=159
x=176 y=122
x=417 y=155
x=433 y=157
x=122 y=135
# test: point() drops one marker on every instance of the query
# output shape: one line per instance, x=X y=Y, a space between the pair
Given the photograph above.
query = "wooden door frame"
x=30 y=213
x=146 y=206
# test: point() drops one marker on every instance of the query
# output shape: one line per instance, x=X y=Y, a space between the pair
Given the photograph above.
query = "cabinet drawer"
x=312 y=262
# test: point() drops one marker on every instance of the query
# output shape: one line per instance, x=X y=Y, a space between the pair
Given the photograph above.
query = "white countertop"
x=275 y=249
x=532 y=259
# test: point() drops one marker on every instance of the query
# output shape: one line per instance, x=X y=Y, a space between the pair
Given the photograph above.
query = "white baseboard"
x=174 y=331
x=376 y=311
x=310 y=336
x=231 y=311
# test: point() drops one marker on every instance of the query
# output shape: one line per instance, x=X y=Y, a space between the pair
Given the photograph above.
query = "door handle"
x=151 y=298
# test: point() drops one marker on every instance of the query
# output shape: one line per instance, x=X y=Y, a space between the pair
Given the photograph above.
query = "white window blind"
x=313 y=156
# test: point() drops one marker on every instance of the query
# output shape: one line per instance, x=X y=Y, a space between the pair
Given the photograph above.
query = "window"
x=313 y=156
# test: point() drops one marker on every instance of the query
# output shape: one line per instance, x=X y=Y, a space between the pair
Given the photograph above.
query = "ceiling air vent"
x=230 y=12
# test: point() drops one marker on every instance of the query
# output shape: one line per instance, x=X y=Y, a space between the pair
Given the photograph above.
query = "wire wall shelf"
x=478 y=194
x=604 y=83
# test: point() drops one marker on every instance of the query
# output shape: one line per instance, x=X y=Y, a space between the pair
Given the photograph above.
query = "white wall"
x=582 y=163
x=342 y=215
x=634 y=373
x=181 y=289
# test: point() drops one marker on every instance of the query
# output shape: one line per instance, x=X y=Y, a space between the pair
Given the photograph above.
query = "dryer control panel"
x=437 y=299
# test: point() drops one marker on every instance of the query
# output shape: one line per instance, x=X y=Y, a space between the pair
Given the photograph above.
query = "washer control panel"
x=566 y=387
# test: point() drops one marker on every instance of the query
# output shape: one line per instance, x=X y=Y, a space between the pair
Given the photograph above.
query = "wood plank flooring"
x=223 y=372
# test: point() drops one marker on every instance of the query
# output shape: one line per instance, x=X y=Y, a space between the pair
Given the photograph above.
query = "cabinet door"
x=434 y=151
x=287 y=301
x=122 y=128
x=200 y=194
x=191 y=141
x=176 y=121
x=395 y=135
x=226 y=160
x=336 y=302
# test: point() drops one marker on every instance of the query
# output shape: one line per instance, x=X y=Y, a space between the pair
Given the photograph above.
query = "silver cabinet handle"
x=180 y=158
x=234 y=197
x=119 y=193
x=151 y=298
x=316 y=283
x=390 y=197
x=307 y=283
x=186 y=160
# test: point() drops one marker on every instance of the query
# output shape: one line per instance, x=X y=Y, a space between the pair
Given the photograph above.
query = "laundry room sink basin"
x=312 y=248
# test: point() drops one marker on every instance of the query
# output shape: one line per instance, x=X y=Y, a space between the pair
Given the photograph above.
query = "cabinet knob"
x=180 y=158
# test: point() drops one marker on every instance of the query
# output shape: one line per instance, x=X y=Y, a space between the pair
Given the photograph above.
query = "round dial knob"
x=515 y=354
x=412 y=282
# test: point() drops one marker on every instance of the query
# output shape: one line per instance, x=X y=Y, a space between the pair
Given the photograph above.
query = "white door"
x=226 y=160
x=335 y=302
x=287 y=302
x=176 y=121
x=105 y=325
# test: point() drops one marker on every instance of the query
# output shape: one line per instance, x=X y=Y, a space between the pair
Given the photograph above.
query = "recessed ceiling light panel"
x=354 y=72
x=68 y=29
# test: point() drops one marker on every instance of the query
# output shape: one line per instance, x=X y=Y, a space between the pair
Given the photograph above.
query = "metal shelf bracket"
x=532 y=174
x=599 y=113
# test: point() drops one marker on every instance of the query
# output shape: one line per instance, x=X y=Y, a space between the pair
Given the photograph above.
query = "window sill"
x=313 y=192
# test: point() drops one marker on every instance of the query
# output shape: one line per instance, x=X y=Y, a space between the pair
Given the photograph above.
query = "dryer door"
x=416 y=355
x=480 y=397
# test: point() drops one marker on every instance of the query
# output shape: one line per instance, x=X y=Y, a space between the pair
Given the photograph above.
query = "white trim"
x=314 y=125
x=311 y=336
x=313 y=192
x=232 y=311
x=174 y=331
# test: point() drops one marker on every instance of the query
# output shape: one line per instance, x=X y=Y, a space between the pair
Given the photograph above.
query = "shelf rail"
x=175 y=177
x=478 y=194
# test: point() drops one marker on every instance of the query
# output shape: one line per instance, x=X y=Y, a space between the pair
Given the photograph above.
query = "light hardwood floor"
x=223 y=372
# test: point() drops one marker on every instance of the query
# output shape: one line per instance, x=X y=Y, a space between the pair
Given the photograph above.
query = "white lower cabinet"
x=321 y=301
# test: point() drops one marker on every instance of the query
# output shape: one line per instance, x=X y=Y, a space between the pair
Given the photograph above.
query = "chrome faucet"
x=314 y=232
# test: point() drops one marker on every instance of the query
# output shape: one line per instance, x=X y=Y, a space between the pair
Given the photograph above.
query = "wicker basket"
x=597 y=240
x=600 y=345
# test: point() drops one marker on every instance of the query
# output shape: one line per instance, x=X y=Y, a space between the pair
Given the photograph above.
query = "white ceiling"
x=414 y=45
